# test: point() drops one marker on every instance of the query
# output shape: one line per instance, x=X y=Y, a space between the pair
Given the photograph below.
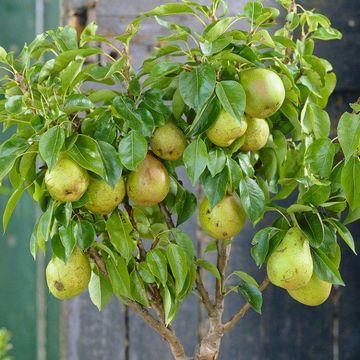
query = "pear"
x=256 y=135
x=66 y=280
x=264 y=91
x=103 y=199
x=66 y=181
x=168 y=142
x=149 y=184
x=314 y=293
x=290 y=266
x=225 y=130
x=225 y=220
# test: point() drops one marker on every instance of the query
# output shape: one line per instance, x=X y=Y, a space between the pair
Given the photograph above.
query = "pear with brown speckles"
x=225 y=220
x=66 y=181
x=149 y=184
x=66 y=280
x=168 y=142
x=290 y=266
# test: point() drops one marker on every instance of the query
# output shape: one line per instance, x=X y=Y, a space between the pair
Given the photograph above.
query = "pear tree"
x=237 y=104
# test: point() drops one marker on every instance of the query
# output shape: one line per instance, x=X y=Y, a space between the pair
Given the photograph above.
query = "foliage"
x=5 y=345
x=102 y=114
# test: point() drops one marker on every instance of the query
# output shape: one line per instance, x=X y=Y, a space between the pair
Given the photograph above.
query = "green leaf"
x=124 y=107
x=317 y=121
x=138 y=289
x=252 y=295
x=215 y=187
x=205 y=117
x=319 y=157
x=344 y=233
x=350 y=181
x=77 y=102
x=111 y=161
x=261 y=242
x=232 y=97
x=69 y=74
x=120 y=231
x=45 y=224
x=50 y=145
x=197 y=86
x=253 y=10
x=9 y=151
x=349 y=133
x=85 y=234
x=325 y=269
x=14 y=104
x=185 y=242
x=311 y=225
x=195 y=159
x=169 y=9
x=209 y=266
x=10 y=206
x=100 y=290
x=235 y=173
x=85 y=152
x=216 y=29
x=133 y=149
x=216 y=161
x=157 y=264
x=177 y=260
x=245 y=277
x=67 y=238
x=316 y=194
x=119 y=276
x=57 y=247
x=327 y=34
x=185 y=205
x=252 y=199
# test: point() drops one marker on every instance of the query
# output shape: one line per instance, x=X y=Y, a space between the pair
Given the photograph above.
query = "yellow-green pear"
x=290 y=266
x=256 y=135
x=168 y=142
x=149 y=184
x=66 y=280
x=314 y=293
x=265 y=92
x=225 y=130
x=103 y=198
x=66 y=181
x=223 y=221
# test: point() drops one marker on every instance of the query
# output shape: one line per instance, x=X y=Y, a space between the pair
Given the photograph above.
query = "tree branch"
x=223 y=252
x=167 y=216
x=166 y=332
x=175 y=345
x=243 y=310
x=204 y=295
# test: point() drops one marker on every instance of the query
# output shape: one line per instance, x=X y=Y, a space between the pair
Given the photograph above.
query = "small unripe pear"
x=225 y=220
x=168 y=142
x=290 y=266
x=66 y=181
x=149 y=184
x=66 y=280
x=265 y=92
x=103 y=199
x=225 y=130
x=314 y=293
x=256 y=135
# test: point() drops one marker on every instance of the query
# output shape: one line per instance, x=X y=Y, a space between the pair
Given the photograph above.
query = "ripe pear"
x=314 y=293
x=66 y=280
x=149 y=184
x=225 y=130
x=256 y=135
x=265 y=92
x=66 y=181
x=290 y=266
x=225 y=220
x=103 y=199
x=168 y=142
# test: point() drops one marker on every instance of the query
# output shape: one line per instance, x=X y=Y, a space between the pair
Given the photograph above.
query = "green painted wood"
x=35 y=334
